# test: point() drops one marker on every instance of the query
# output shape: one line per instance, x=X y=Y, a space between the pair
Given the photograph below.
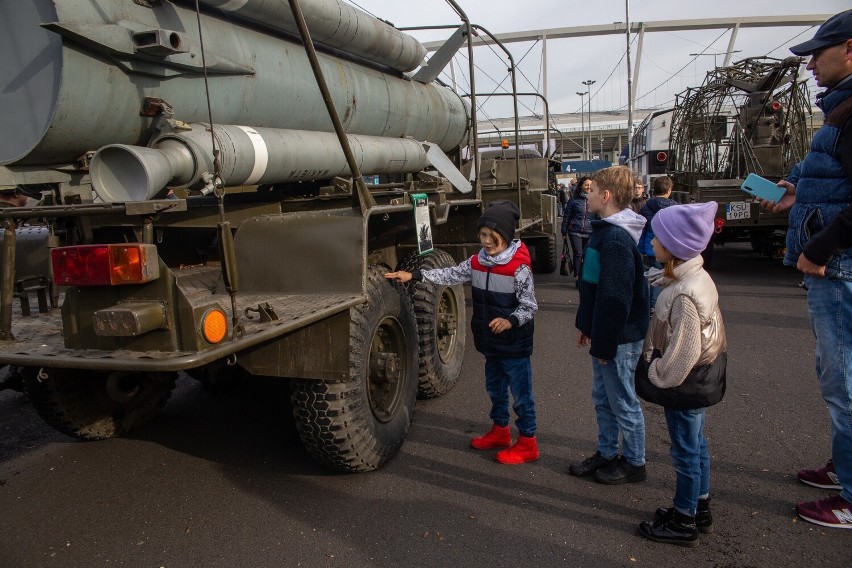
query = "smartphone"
x=762 y=188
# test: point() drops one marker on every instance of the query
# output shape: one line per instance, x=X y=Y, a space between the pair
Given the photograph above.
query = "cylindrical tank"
x=334 y=23
x=247 y=156
x=80 y=82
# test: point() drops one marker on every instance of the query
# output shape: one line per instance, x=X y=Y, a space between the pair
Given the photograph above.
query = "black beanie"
x=501 y=216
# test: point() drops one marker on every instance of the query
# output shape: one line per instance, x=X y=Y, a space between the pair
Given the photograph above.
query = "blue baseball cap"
x=835 y=30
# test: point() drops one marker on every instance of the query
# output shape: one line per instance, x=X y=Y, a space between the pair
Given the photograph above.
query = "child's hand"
x=402 y=276
x=499 y=325
x=582 y=340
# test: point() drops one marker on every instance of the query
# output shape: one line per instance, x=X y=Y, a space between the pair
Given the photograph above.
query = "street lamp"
x=582 y=126
x=588 y=85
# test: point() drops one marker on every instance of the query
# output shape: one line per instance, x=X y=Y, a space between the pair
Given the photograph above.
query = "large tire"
x=82 y=403
x=546 y=257
x=441 y=325
x=357 y=425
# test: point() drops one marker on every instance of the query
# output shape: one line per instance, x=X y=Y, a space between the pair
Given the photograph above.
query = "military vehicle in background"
x=201 y=207
x=651 y=145
x=751 y=117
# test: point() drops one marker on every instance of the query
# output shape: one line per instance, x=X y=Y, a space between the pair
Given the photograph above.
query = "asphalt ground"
x=222 y=480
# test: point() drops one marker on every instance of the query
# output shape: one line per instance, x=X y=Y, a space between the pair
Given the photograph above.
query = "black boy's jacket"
x=613 y=293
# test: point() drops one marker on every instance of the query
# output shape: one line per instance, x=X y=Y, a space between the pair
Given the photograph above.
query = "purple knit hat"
x=685 y=230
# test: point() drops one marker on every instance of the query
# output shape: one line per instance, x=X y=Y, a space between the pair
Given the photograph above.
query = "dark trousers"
x=578 y=247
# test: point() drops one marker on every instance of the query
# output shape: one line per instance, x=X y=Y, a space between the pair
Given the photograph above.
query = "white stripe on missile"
x=261 y=155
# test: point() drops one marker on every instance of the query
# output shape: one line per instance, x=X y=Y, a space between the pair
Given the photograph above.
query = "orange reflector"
x=504 y=143
x=214 y=326
x=105 y=265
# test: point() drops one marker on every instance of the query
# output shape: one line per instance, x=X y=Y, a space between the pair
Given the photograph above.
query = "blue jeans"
x=617 y=407
x=511 y=373
x=830 y=312
x=578 y=247
x=690 y=458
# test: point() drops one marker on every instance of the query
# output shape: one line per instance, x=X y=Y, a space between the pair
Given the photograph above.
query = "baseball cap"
x=835 y=30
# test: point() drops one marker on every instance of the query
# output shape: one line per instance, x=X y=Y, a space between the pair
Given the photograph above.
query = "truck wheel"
x=441 y=325
x=357 y=425
x=545 y=255
x=94 y=406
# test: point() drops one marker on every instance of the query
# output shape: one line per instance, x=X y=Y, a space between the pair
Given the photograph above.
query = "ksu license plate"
x=737 y=210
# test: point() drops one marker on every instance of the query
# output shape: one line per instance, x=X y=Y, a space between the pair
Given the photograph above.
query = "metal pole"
x=7 y=286
x=473 y=124
x=366 y=199
x=588 y=85
x=582 y=127
x=629 y=84
x=589 y=122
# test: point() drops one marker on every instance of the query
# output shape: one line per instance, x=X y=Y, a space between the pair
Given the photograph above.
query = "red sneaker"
x=834 y=512
x=498 y=437
x=824 y=477
x=524 y=450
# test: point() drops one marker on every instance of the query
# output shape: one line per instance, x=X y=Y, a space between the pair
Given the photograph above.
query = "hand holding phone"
x=762 y=188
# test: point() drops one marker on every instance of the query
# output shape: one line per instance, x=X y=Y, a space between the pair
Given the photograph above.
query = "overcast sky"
x=666 y=66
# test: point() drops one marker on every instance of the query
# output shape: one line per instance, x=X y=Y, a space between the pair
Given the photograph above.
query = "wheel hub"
x=447 y=325
x=386 y=369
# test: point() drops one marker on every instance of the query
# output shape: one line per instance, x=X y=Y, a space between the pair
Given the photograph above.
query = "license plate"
x=737 y=210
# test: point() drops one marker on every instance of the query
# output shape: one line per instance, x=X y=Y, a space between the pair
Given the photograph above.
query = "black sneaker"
x=621 y=471
x=589 y=465
x=671 y=528
x=703 y=518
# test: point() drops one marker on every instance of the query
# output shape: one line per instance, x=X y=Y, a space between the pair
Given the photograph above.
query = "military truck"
x=751 y=117
x=201 y=207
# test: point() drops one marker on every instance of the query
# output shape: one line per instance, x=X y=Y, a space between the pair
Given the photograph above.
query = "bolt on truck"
x=198 y=205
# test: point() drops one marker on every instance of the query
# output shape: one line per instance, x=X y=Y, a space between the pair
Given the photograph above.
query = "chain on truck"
x=201 y=207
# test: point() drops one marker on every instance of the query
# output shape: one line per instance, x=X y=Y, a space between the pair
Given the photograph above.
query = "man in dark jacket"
x=819 y=197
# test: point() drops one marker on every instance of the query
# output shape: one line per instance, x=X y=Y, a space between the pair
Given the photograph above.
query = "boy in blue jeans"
x=612 y=319
x=503 y=308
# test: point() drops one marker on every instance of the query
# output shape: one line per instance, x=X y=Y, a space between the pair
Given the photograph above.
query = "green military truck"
x=198 y=205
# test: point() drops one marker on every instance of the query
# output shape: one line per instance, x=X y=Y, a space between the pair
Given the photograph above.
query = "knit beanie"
x=501 y=216
x=685 y=230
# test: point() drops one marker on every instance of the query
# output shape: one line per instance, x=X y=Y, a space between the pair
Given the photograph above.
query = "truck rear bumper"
x=39 y=342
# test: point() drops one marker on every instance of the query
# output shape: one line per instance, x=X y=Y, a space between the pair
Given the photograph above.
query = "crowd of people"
x=674 y=356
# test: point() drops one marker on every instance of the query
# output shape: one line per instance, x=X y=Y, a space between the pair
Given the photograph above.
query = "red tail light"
x=719 y=225
x=105 y=265
x=662 y=157
x=775 y=106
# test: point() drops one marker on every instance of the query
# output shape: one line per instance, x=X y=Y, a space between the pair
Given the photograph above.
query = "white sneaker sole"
x=821 y=485
x=824 y=524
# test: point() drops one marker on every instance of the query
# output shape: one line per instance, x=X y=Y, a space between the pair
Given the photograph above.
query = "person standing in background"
x=577 y=223
x=662 y=191
x=639 y=197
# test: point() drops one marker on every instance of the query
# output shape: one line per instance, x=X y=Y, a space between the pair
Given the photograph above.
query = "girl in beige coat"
x=683 y=364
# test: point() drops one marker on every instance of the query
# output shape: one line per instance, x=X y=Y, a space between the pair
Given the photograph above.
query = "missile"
x=77 y=74
x=333 y=23
x=248 y=156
